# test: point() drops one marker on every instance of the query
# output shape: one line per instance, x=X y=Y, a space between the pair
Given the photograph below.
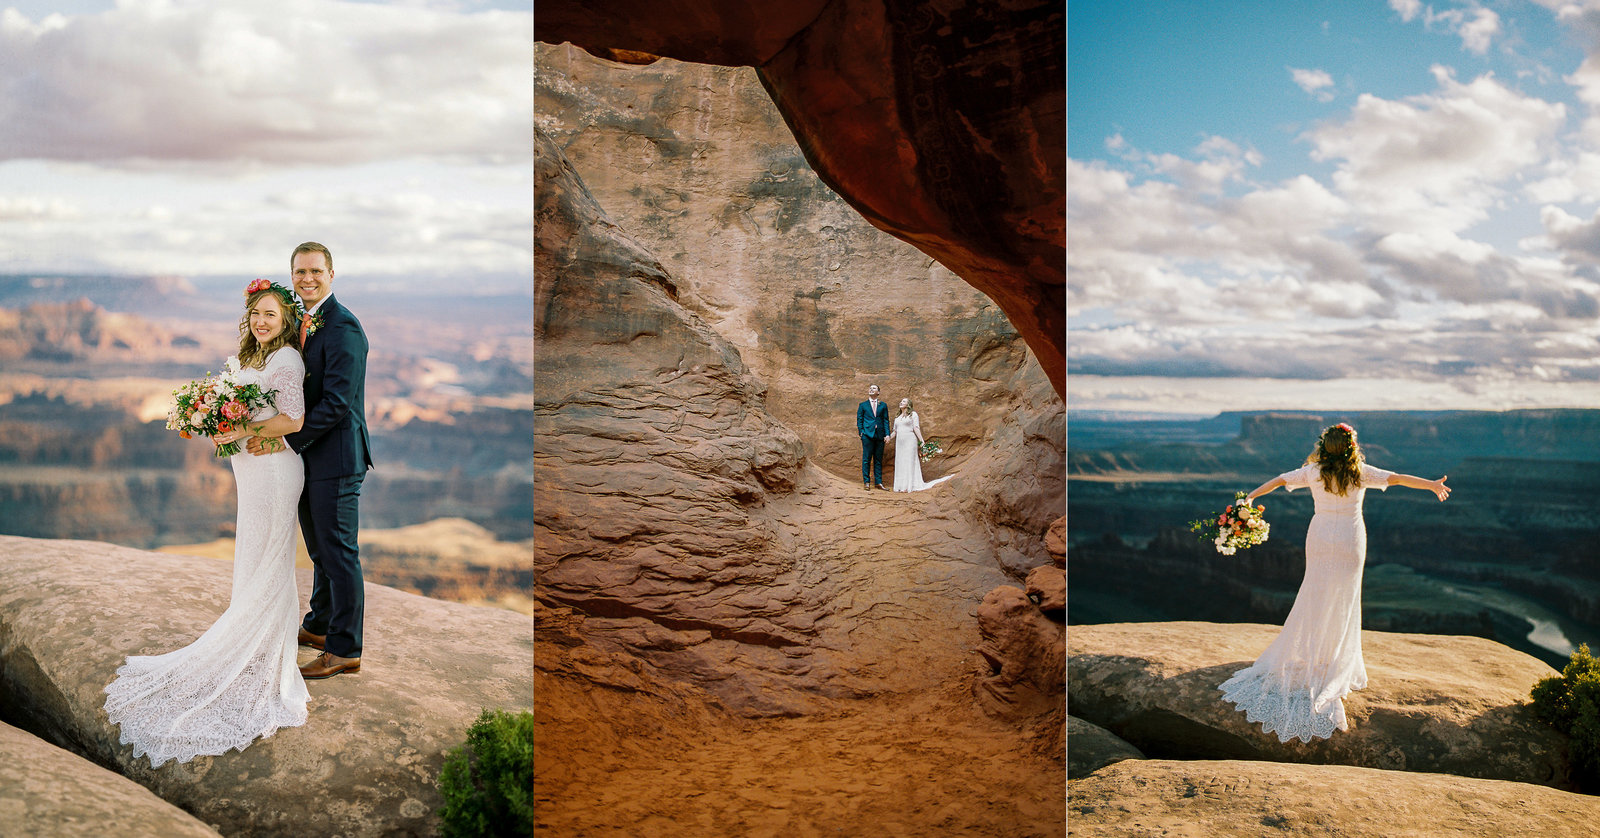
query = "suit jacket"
x=333 y=439
x=868 y=425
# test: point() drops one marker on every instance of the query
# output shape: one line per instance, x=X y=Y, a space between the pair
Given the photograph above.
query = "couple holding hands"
x=877 y=428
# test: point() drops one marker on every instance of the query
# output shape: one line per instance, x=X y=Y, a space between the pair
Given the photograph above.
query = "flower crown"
x=1346 y=428
x=285 y=296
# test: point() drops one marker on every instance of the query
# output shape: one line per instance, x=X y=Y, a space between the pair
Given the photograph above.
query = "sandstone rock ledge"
x=51 y=792
x=1448 y=705
x=365 y=763
x=1220 y=797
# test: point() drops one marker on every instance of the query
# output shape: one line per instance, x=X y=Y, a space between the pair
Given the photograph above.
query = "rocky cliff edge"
x=365 y=763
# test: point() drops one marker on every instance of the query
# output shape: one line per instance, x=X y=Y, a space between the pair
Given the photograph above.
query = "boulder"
x=49 y=791
x=1091 y=747
x=695 y=163
x=1226 y=797
x=366 y=762
x=1024 y=652
x=1441 y=704
x=943 y=124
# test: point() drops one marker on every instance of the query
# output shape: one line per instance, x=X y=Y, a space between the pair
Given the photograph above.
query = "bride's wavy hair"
x=253 y=353
x=1339 y=457
x=911 y=407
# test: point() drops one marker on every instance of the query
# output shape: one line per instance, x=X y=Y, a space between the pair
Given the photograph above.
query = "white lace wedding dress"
x=907 y=432
x=1297 y=687
x=241 y=678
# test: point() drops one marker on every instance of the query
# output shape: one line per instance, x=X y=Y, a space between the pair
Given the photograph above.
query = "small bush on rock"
x=1570 y=703
x=488 y=782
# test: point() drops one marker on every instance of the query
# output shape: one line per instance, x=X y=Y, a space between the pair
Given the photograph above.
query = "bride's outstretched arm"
x=1264 y=489
x=1435 y=486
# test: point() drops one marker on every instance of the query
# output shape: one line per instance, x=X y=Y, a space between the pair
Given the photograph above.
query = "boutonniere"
x=314 y=325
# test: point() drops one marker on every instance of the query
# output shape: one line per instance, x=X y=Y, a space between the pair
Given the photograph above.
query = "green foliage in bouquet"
x=1570 y=702
x=488 y=782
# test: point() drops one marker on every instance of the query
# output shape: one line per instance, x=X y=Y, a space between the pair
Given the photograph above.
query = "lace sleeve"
x=1373 y=477
x=286 y=373
x=916 y=425
x=1300 y=478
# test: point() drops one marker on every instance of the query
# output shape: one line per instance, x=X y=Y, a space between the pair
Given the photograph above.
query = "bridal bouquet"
x=928 y=449
x=216 y=404
x=1239 y=526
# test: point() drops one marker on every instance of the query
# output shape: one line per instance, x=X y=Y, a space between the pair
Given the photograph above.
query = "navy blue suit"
x=333 y=444
x=873 y=428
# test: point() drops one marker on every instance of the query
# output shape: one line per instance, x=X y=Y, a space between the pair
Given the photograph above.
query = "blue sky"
x=208 y=137
x=1333 y=205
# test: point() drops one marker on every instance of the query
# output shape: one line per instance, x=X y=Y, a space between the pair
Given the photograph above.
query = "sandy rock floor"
x=900 y=765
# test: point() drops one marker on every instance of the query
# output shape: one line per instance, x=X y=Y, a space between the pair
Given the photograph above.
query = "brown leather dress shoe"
x=327 y=666
x=315 y=641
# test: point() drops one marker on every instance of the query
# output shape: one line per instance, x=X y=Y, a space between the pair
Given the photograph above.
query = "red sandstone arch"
x=943 y=122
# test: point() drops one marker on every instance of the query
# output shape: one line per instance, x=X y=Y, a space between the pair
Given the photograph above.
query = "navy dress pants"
x=872 y=459
x=329 y=521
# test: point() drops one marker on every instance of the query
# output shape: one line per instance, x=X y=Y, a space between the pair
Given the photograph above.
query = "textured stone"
x=1443 y=704
x=50 y=791
x=1091 y=747
x=1055 y=542
x=1025 y=652
x=367 y=760
x=943 y=124
x=1220 y=797
x=1047 y=585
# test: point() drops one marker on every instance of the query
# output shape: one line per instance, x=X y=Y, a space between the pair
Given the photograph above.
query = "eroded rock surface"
x=367 y=760
x=51 y=791
x=1220 y=797
x=1442 y=704
x=1024 y=651
x=943 y=124
x=681 y=517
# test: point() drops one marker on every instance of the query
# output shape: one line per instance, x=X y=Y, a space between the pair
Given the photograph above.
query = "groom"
x=334 y=447
x=872 y=421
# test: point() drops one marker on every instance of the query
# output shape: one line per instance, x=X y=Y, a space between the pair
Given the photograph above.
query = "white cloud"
x=1436 y=161
x=426 y=224
x=1314 y=82
x=1476 y=25
x=1408 y=9
x=299 y=81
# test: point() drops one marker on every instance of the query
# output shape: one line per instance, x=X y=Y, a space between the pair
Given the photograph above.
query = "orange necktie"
x=305 y=323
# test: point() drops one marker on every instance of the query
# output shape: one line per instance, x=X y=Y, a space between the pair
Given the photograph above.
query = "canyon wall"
x=697 y=165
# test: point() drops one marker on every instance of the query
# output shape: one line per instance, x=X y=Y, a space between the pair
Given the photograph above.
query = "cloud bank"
x=289 y=82
x=1447 y=236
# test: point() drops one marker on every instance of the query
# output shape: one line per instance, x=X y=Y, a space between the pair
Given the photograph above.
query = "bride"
x=1297 y=687
x=908 y=451
x=240 y=679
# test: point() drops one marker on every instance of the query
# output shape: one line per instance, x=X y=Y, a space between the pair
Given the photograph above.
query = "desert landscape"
x=726 y=616
x=86 y=369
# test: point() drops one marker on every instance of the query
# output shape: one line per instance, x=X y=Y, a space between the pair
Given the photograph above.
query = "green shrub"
x=487 y=783
x=1570 y=702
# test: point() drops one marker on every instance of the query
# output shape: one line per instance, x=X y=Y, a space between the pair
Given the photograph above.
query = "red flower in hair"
x=257 y=285
x=1347 y=428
